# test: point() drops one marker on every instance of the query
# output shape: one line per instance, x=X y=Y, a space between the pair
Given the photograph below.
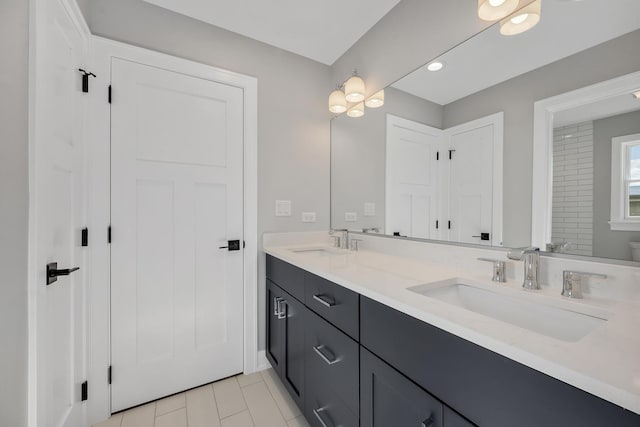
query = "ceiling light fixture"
x=376 y=100
x=636 y=94
x=523 y=20
x=356 y=111
x=492 y=10
x=337 y=101
x=354 y=88
x=435 y=66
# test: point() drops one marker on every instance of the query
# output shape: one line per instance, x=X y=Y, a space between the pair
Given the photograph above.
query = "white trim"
x=619 y=220
x=99 y=204
x=544 y=110
x=75 y=15
x=263 y=362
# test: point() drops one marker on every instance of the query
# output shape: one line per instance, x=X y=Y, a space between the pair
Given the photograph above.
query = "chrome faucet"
x=572 y=282
x=342 y=240
x=499 y=269
x=531 y=258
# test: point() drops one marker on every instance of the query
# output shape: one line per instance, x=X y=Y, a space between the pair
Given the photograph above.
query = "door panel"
x=177 y=312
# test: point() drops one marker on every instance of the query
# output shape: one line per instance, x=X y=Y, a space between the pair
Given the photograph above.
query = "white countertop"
x=606 y=362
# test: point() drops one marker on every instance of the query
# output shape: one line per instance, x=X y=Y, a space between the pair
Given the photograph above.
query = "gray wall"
x=516 y=98
x=14 y=192
x=607 y=243
x=358 y=156
x=293 y=120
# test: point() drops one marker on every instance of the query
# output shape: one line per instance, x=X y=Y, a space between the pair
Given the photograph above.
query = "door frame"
x=102 y=51
x=80 y=25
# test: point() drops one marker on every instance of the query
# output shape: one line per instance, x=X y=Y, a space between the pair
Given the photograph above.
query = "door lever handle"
x=53 y=272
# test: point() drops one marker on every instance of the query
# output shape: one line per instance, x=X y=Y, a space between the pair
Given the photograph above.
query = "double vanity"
x=402 y=333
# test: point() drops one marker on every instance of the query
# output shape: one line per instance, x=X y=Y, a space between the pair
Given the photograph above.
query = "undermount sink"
x=312 y=251
x=556 y=322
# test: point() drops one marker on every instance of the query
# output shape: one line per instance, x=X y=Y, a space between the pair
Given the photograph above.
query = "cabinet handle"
x=282 y=312
x=324 y=300
x=276 y=306
x=316 y=412
x=429 y=422
x=330 y=361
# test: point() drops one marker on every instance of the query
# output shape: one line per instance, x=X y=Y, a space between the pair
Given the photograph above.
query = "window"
x=625 y=183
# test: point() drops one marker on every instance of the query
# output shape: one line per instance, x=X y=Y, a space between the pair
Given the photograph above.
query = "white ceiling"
x=320 y=30
x=566 y=27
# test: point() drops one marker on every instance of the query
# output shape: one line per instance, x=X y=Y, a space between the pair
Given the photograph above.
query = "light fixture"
x=354 y=88
x=435 y=66
x=636 y=94
x=376 y=100
x=492 y=10
x=337 y=101
x=356 y=111
x=521 y=21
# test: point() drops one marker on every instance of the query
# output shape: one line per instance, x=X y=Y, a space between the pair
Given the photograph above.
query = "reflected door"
x=176 y=295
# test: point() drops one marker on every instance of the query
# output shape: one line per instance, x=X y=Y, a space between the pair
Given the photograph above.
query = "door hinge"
x=85 y=391
x=85 y=237
x=109 y=94
x=109 y=370
x=109 y=234
x=451 y=153
x=449 y=224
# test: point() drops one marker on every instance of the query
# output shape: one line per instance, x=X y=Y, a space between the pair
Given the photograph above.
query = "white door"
x=411 y=196
x=176 y=198
x=473 y=178
x=59 y=347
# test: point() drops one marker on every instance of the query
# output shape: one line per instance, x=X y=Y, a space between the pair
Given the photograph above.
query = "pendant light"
x=337 y=102
x=354 y=88
x=492 y=10
x=356 y=111
x=376 y=100
x=521 y=21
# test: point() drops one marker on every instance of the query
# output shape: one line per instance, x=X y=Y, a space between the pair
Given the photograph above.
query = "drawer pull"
x=278 y=311
x=316 y=412
x=428 y=422
x=329 y=359
x=324 y=300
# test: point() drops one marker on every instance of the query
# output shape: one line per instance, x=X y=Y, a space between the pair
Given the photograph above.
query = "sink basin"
x=556 y=322
x=313 y=251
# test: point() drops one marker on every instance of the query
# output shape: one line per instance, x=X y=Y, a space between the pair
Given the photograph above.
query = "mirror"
x=449 y=155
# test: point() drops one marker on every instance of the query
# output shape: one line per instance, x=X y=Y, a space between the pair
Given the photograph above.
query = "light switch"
x=308 y=217
x=283 y=207
x=350 y=216
x=369 y=209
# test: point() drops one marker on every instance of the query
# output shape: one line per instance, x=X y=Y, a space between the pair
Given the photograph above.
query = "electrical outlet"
x=369 y=209
x=308 y=217
x=350 y=216
x=283 y=207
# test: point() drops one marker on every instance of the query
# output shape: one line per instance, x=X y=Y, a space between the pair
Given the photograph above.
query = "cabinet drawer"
x=388 y=398
x=287 y=276
x=333 y=302
x=324 y=408
x=333 y=356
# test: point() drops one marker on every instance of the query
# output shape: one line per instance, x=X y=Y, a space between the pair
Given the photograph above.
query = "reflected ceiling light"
x=337 y=101
x=521 y=21
x=376 y=100
x=356 y=111
x=354 y=88
x=492 y=10
x=435 y=66
x=636 y=94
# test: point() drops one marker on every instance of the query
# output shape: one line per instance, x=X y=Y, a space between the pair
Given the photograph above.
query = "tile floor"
x=256 y=400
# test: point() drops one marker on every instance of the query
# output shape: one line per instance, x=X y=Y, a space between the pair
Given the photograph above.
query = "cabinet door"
x=294 y=325
x=387 y=398
x=452 y=419
x=274 y=332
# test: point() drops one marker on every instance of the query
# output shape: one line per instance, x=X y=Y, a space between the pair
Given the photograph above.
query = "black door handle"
x=53 y=272
x=232 y=245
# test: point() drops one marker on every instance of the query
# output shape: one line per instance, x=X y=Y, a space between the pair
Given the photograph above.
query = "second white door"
x=176 y=200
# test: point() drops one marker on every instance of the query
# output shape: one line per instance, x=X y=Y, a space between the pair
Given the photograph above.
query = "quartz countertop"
x=605 y=362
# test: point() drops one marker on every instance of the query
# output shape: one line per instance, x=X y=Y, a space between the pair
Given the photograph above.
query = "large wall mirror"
x=450 y=155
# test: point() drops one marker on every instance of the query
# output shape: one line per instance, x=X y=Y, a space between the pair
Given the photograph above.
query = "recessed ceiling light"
x=636 y=94
x=435 y=66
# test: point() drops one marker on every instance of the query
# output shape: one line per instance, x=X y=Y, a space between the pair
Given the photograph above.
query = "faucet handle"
x=499 y=269
x=572 y=282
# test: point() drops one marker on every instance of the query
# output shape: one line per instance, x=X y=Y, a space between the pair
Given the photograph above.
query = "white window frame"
x=620 y=219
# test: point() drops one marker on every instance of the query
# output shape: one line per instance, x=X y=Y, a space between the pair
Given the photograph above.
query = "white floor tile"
x=113 y=421
x=142 y=416
x=246 y=380
x=298 y=422
x=201 y=408
x=243 y=419
x=281 y=396
x=170 y=404
x=263 y=408
x=229 y=397
x=176 y=418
